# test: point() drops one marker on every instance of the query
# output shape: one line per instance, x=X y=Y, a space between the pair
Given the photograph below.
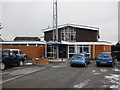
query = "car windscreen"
x=104 y=55
x=77 y=56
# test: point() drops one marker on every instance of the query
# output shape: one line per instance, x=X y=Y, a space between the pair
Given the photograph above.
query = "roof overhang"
x=78 y=43
x=15 y=42
x=73 y=25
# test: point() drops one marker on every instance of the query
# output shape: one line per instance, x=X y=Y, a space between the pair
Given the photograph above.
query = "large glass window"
x=71 y=49
x=51 y=51
x=68 y=34
x=86 y=49
x=79 y=49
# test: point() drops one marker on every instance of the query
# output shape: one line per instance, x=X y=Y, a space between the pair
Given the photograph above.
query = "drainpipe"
x=93 y=50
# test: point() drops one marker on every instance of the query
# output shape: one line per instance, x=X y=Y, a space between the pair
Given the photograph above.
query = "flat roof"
x=60 y=42
x=23 y=42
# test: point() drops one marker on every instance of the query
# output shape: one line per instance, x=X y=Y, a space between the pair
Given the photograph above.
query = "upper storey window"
x=68 y=34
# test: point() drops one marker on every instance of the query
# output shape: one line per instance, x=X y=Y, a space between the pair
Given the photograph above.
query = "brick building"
x=71 y=39
x=74 y=39
x=33 y=49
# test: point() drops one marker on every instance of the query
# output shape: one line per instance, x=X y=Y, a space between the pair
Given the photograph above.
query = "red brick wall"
x=98 y=49
x=31 y=51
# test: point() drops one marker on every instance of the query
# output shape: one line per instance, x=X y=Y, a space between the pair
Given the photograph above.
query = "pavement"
x=12 y=73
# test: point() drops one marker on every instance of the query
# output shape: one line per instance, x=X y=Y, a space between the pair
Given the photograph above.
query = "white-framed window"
x=68 y=34
x=71 y=50
x=83 y=49
x=78 y=49
x=51 y=51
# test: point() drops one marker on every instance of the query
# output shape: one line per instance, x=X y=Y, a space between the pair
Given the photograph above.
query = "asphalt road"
x=61 y=75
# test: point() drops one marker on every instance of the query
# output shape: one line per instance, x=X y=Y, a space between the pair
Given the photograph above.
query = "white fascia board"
x=73 y=25
x=86 y=43
x=22 y=42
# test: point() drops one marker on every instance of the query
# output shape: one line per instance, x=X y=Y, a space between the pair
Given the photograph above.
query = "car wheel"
x=71 y=65
x=97 y=65
x=112 y=64
x=20 y=63
x=89 y=62
x=25 y=57
x=2 y=66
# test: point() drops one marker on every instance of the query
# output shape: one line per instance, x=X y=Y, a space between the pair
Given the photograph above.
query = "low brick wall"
x=38 y=61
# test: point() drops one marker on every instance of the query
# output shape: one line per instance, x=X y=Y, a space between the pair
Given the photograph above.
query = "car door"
x=6 y=57
x=14 y=58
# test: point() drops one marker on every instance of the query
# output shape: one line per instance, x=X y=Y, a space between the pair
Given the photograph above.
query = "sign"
x=53 y=42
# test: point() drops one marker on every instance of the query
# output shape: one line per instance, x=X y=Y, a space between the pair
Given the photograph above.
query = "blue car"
x=8 y=58
x=80 y=59
x=105 y=58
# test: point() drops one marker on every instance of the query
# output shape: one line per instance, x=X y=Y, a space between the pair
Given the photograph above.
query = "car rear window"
x=5 y=54
x=77 y=56
x=104 y=55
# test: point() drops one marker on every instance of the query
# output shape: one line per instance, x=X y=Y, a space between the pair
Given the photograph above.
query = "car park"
x=8 y=58
x=80 y=59
x=105 y=58
x=18 y=52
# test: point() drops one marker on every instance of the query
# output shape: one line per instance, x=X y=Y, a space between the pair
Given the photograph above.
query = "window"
x=77 y=56
x=15 y=44
x=71 y=49
x=51 y=51
x=83 y=49
x=68 y=34
x=23 y=44
x=40 y=45
x=5 y=54
x=104 y=55
x=16 y=52
x=6 y=44
x=86 y=49
x=79 y=49
x=32 y=44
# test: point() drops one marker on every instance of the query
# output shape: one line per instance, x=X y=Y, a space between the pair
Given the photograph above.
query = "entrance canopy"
x=79 y=43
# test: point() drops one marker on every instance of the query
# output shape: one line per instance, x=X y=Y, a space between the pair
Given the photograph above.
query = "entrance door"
x=62 y=51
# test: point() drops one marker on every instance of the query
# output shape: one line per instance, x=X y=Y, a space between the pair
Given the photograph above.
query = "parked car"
x=8 y=58
x=105 y=58
x=80 y=59
x=18 y=52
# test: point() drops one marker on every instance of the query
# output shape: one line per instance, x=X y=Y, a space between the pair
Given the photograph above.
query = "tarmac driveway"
x=61 y=75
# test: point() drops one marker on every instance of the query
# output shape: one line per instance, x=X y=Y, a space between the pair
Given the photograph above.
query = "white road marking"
x=82 y=84
x=103 y=70
x=10 y=79
x=116 y=69
x=96 y=73
x=113 y=78
x=22 y=75
x=28 y=63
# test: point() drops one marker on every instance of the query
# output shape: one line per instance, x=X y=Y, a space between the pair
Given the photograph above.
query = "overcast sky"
x=29 y=18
